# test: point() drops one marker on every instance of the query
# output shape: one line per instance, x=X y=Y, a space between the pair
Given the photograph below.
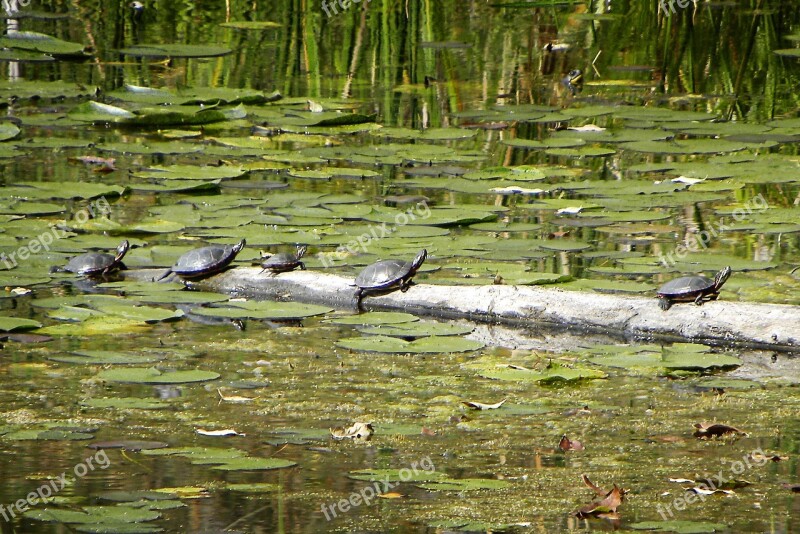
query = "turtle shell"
x=284 y=261
x=206 y=260
x=383 y=274
x=90 y=263
x=93 y=263
x=686 y=286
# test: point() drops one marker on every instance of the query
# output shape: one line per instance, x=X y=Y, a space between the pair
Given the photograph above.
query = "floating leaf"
x=40 y=42
x=254 y=464
x=680 y=527
x=375 y=318
x=417 y=329
x=95 y=326
x=8 y=324
x=104 y=357
x=154 y=376
x=160 y=51
x=432 y=344
x=554 y=372
x=263 y=310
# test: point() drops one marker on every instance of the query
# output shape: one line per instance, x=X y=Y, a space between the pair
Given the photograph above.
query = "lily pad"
x=154 y=376
x=432 y=344
x=263 y=310
x=254 y=464
x=161 y=51
x=40 y=42
x=680 y=527
x=10 y=324
x=375 y=318
x=109 y=357
x=553 y=372
x=418 y=329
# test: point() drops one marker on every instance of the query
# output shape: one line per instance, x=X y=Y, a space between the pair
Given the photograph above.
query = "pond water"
x=604 y=147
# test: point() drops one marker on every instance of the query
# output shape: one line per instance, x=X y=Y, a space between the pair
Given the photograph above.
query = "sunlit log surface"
x=718 y=322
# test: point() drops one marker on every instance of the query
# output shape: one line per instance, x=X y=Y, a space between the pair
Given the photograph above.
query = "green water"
x=467 y=100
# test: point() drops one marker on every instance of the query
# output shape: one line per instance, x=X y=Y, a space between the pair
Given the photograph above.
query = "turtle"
x=573 y=81
x=205 y=261
x=692 y=289
x=386 y=275
x=284 y=261
x=96 y=263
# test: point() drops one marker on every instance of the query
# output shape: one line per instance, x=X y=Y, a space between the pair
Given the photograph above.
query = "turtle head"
x=237 y=248
x=721 y=277
x=122 y=249
x=301 y=251
x=419 y=259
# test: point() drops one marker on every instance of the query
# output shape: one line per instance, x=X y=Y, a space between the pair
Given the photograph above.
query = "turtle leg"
x=700 y=298
x=405 y=285
x=166 y=274
x=302 y=266
x=359 y=296
x=664 y=303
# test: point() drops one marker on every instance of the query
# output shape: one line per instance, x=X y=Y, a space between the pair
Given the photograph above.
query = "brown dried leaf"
x=606 y=507
x=428 y=432
x=591 y=485
x=100 y=164
x=391 y=495
x=233 y=398
x=713 y=430
x=567 y=444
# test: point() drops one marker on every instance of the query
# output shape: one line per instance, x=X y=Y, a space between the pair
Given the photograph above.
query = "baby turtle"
x=692 y=289
x=205 y=261
x=285 y=261
x=96 y=263
x=387 y=275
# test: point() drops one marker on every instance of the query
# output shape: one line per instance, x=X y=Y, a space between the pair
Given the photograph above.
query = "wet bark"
x=720 y=322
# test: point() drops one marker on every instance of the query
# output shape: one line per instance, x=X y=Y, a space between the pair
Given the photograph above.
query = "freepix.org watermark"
x=44 y=240
x=45 y=491
x=362 y=242
x=12 y=6
x=703 y=238
x=756 y=458
x=330 y=8
x=669 y=5
x=366 y=495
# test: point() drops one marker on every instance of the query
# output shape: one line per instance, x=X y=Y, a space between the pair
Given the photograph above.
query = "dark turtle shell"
x=205 y=261
x=692 y=288
x=285 y=261
x=96 y=263
x=387 y=274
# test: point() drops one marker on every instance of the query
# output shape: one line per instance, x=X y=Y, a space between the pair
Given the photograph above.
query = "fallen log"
x=756 y=325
